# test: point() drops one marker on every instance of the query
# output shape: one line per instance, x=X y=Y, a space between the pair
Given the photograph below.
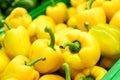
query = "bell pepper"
x=16 y=41
x=18 y=17
x=51 y=77
x=75 y=3
x=60 y=36
x=97 y=3
x=47 y=48
x=115 y=19
x=72 y=22
x=4 y=60
x=106 y=62
x=71 y=11
x=108 y=39
x=92 y=73
x=58 y=12
x=97 y=15
x=36 y=28
x=110 y=7
x=21 y=69
x=54 y=76
x=81 y=50
x=60 y=27
x=27 y=4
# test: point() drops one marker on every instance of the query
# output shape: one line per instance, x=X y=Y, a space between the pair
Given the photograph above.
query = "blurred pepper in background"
x=8 y=5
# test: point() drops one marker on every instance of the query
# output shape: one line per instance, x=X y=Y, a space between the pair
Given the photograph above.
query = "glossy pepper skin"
x=58 y=12
x=97 y=15
x=16 y=41
x=75 y=3
x=36 y=28
x=81 y=50
x=110 y=7
x=51 y=77
x=47 y=48
x=92 y=73
x=18 y=17
x=108 y=39
x=20 y=70
x=115 y=19
x=4 y=60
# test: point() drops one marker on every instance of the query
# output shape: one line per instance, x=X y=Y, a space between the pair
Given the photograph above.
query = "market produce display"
x=75 y=41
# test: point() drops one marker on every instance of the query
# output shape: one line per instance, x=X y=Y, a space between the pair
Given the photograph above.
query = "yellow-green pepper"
x=81 y=50
x=92 y=73
x=108 y=39
x=47 y=48
x=21 y=69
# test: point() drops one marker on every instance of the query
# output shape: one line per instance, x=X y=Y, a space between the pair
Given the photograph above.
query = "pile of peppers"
x=80 y=42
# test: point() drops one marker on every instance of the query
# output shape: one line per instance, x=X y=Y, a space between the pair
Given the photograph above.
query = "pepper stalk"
x=65 y=66
x=6 y=23
x=34 y=61
x=73 y=46
x=52 y=37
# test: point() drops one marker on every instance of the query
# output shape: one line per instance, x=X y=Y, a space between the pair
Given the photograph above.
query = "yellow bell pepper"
x=21 y=69
x=75 y=3
x=72 y=22
x=47 y=48
x=71 y=11
x=110 y=7
x=81 y=50
x=58 y=12
x=65 y=67
x=92 y=73
x=36 y=28
x=60 y=27
x=51 y=77
x=97 y=3
x=115 y=20
x=91 y=15
x=16 y=41
x=18 y=17
x=4 y=60
x=60 y=36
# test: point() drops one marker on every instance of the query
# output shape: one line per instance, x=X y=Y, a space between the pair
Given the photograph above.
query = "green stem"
x=86 y=24
x=7 y=24
x=52 y=37
x=65 y=66
x=53 y=2
x=88 y=4
x=73 y=46
x=34 y=61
